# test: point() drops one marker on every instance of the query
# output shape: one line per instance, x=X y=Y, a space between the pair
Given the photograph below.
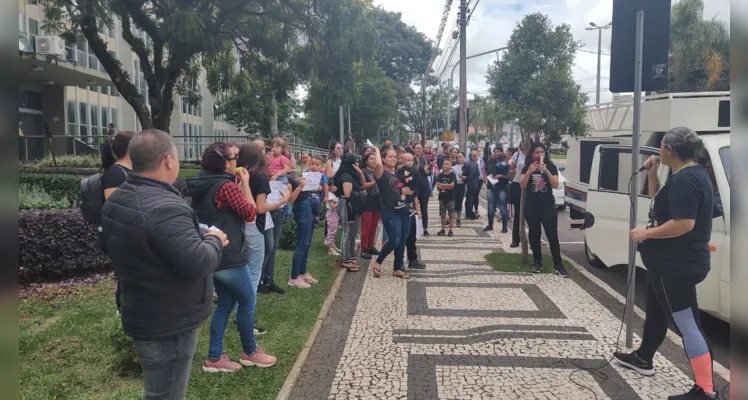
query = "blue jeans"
x=233 y=286
x=397 y=225
x=256 y=245
x=302 y=212
x=497 y=198
x=385 y=236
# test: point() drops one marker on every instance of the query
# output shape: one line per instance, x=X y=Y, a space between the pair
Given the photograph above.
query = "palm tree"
x=699 y=49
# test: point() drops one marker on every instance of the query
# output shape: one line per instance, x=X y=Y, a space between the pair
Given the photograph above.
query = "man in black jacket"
x=471 y=176
x=163 y=262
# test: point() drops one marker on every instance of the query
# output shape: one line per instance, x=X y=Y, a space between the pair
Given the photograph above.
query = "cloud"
x=493 y=21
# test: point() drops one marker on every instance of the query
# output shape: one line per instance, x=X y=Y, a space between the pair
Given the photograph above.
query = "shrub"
x=59 y=171
x=69 y=161
x=34 y=197
x=57 y=243
x=288 y=235
x=57 y=186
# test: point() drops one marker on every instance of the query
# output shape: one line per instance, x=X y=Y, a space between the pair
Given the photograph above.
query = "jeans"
x=272 y=240
x=385 y=235
x=497 y=198
x=547 y=216
x=424 y=193
x=410 y=242
x=471 y=197
x=233 y=286
x=476 y=202
x=256 y=245
x=369 y=222
x=349 y=224
x=166 y=365
x=316 y=205
x=459 y=198
x=302 y=211
x=516 y=196
x=397 y=225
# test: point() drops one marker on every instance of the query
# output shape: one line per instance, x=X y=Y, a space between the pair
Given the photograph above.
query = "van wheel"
x=591 y=257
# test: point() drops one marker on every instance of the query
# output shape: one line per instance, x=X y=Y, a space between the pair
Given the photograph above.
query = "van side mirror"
x=562 y=169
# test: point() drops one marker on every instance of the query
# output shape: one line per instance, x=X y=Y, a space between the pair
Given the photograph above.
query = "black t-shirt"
x=372 y=202
x=423 y=177
x=260 y=184
x=403 y=173
x=440 y=160
x=688 y=194
x=494 y=167
x=389 y=189
x=346 y=177
x=114 y=176
x=539 y=189
x=446 y=179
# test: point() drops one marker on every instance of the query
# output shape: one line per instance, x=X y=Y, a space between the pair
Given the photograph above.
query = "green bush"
x=288 y=235
x=92 y=161
x=35 y=197
x=56 y=185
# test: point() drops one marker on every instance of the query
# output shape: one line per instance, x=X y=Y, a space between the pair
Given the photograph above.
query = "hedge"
x=70 y=161
x=35 y=197
x=57 y=243
x=82 y=172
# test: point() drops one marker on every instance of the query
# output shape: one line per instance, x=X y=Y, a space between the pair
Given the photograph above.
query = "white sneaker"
x=299 y=283
x=333 y=252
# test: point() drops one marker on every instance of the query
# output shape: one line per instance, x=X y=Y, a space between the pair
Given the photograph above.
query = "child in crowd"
x=279 y=165
x=445 y=184
x=458 y=163
x=315 y=165
x=409 y=177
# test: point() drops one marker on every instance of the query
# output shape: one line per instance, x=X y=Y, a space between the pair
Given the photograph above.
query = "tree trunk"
x=274 y=117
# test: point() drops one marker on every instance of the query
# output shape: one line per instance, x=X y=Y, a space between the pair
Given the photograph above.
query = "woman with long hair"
x=396 y=221
x=424 y=185
x=675 y=249
x=221 y=197
x=539 y=178
x=349 y=181
x=372 y=205
x=331 y=228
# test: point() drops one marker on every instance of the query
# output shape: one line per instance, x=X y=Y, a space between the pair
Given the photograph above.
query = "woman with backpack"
x=349 y=180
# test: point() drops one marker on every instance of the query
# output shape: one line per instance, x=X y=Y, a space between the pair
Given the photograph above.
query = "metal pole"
x=635 y=184
x=342 y=125
x=599 y=53
x=463 y=76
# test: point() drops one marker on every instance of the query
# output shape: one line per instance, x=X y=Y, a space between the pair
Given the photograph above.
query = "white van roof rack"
x=700 y=111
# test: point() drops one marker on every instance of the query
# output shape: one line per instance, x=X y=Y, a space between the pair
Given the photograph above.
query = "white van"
x=599 y=196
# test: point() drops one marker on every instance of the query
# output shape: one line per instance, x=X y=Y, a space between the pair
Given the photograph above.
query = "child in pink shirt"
x=278 y=164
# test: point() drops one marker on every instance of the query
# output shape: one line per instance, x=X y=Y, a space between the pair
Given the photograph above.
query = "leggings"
x=471 y=197
x=424 y=193
x=673 y=298
x=547 y=217
x=459 y=198
x=515 y=194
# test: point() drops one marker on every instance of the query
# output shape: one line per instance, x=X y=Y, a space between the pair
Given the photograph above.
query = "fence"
x=190 y=148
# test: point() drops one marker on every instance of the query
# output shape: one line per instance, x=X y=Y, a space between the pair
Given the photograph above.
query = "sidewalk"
x=461 y=330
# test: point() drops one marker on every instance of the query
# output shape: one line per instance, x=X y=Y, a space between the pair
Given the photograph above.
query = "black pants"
x=459 y=198
x=547 y=217
x=424 y=193
x=471 y=198
x=166 y=364
x=515 y=194
x=410 y=242
x=480 y=186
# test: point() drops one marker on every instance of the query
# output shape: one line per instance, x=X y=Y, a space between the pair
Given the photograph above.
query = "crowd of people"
x=174 y=259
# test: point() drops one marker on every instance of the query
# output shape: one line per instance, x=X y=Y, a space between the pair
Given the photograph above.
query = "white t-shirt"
x=518 y=160
x=457 y=169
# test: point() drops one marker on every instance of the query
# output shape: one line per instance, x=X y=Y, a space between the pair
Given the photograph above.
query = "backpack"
x=92 y=197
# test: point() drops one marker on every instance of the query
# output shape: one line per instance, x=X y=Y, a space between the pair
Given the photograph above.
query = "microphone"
x=644 y=167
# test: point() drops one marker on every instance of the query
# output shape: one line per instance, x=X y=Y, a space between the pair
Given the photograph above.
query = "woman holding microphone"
x=675 y=249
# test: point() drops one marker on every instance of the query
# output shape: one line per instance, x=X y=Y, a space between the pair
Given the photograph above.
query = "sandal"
x=376 y=270
x=350 y=266
x=401 y=275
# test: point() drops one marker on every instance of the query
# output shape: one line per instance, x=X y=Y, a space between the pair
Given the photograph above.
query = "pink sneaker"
x=299 y=283
x=224 y=364
x=308 y=278
x=258 y=359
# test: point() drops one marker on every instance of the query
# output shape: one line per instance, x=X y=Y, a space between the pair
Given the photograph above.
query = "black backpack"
x=92 y=197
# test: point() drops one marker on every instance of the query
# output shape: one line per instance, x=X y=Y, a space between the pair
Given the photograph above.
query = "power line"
x=592 y=52
x=445 y=16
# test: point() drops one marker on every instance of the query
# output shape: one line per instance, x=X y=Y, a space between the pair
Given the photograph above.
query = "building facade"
x=69 y=96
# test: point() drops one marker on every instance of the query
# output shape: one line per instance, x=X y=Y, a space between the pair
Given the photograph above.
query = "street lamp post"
x=593 y=26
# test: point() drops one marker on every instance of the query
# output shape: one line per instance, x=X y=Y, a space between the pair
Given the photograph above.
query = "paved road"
x=572 y=244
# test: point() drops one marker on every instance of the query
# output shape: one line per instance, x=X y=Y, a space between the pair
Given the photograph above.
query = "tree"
x=414 y=113
x=376 y=105
x=170 y=38
x=699 y=49
x=534 y=82
x=489 y=114
x=402 y=51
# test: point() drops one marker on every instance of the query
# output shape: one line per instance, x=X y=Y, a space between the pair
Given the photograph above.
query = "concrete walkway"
x=461 y=330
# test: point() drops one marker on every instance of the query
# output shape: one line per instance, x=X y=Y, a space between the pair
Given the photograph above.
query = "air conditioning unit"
x=50 y=45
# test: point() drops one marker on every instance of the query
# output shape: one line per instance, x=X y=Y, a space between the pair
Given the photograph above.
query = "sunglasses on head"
x=232 y=158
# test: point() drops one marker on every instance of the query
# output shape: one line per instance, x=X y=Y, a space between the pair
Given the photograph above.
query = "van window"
x=615 y=170
x=724 y=154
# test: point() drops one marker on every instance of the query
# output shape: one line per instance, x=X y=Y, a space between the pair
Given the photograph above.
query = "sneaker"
x=275 y=288
x=259 y=330
x=299 y=283
x=537 y=268
x=258 y=359
x=504 y=230
x=411 y=212
x=458 y=223
x=373 y=251
x=222 y=365
x=450 y=233
x=489 y=228
x=400 y=204
x=560 y=271
x=426 y=233
x=415 y=264
x=262 y=289
x=632 y=361
x=365 y=254
x=441 y=233
x=696 y=393
x=308 y=278
x=514 y=244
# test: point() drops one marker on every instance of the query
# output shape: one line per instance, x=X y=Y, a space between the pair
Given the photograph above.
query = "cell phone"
x=536 y=160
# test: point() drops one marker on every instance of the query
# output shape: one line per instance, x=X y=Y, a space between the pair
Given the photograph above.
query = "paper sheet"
x=276 y=188
x=269 y=221
x=492 y=180
x=312 y=181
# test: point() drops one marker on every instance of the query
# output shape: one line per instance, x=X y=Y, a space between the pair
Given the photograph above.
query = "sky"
x=492 y=23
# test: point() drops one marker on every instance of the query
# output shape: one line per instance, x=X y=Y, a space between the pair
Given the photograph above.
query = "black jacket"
x=203 y=188
x=472 y=174
x=163 y=264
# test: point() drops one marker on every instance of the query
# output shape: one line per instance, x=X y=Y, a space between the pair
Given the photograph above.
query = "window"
x=615 y=173
x=104 y=119
x=724 y=154
x=94 y=120
x=70 y=50
x=83 y=108
x=80 y=53
x=72 y=122
x=33 y=30
x=93 y=62
x=114 y=118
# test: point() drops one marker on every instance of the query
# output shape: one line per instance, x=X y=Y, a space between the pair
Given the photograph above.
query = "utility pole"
x=423 y=112
x=463 y=75
x=592 y=27
x=342 y=125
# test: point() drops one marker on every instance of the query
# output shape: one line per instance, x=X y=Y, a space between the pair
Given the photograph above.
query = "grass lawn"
x=510 y=262
x=558 y=156
x=68 y=355
x=185 y=173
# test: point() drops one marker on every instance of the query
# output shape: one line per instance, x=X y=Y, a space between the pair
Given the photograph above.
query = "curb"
x=293 y=375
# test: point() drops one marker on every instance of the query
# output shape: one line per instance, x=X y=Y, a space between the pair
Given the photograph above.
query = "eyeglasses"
x=232 y=158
